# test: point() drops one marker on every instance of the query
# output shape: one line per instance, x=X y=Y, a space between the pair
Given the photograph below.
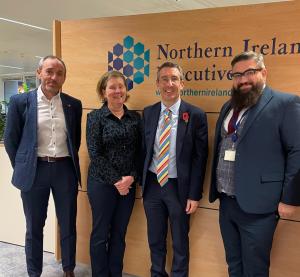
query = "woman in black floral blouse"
x=113 y=140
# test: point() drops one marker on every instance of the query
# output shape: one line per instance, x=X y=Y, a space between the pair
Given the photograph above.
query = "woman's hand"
x=124 y=185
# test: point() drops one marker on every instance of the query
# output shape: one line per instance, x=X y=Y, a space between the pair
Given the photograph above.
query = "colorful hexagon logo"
x=132 y=59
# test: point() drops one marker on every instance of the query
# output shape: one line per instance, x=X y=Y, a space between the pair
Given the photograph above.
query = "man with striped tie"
x=175 y=149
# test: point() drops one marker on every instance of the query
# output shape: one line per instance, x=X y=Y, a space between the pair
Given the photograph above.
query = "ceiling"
x=22 y=46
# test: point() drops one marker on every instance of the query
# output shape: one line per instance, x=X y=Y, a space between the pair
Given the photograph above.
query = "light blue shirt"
x=172 y=169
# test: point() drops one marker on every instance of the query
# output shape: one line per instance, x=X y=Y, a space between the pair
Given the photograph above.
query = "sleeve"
x=13 y=130
x=95 y=149
x=78 y=127
x=290 y=137
x=138 y=163
x=199 y=157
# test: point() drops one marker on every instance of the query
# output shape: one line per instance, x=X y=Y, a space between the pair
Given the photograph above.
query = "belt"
x=52 y=159
x=223 y=194
x=154 y=174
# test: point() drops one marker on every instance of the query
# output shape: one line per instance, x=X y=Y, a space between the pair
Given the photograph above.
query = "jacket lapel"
x=32 y=112
x=153 y=124
x=255 y=110
x=67 y=111
x=219 y=124
x=181 y=126
x=222 y=116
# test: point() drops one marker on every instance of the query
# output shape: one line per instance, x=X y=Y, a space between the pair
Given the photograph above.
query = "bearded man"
x=255 y=165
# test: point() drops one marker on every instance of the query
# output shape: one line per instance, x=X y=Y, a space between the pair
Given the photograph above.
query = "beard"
x=241 y=99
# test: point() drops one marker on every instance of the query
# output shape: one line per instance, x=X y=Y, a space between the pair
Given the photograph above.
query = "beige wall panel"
x=206 y=247
x=56 y=38
x=84 y=227
x=83 y=152
x=13 y=223
x=85 y=44
x=212 y=119
x=286 y=250
x=137 y=255
x=84 y=48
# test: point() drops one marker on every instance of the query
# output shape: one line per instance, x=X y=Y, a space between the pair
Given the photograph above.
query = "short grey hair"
x=249 y=55
x=51 y=57
x=170 y=65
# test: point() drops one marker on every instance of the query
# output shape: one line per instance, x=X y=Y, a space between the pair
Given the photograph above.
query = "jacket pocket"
x=20 y=157
x=271 y=177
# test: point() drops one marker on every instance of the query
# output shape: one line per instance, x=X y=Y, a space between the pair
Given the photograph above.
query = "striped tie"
x=164 y=149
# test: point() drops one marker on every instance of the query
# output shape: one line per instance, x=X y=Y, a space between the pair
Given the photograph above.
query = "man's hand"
x=285 y=210
x=191 y=206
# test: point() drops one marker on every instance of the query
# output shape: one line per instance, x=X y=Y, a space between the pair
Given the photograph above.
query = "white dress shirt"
x=51 y=123
x=228 y=117
x=241 y=114
x=172 y=169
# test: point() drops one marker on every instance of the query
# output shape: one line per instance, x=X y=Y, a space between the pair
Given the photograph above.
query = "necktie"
x=233 y=120
x=164 y=149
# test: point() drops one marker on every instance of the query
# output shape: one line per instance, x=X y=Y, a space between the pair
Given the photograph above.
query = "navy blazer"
x=20 y=136
x=191 y=148
x=267 y=154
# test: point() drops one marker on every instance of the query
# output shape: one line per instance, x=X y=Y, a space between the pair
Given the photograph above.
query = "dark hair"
x=51 y=57
x=102 y=83
x=249 y=55
x=170 y=65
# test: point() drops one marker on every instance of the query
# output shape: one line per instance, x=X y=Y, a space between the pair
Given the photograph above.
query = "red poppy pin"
x=185 y=117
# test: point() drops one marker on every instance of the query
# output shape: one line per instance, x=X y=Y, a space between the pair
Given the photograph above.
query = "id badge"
x=229 y=155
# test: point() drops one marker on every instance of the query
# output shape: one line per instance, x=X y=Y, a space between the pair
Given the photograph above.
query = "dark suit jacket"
x=20 y=137
x=267 y=154
x=191 y=148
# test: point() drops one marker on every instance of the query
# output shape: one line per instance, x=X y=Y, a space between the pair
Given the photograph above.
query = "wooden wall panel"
x=211 y=119
x=83 y=153
x=84 y=48
x=206 y=247
x=137 y=255
x=202 y=240
x=84 y=227
x=285 y=251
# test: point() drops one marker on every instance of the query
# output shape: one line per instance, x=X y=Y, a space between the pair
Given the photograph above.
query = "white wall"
x=12 y=218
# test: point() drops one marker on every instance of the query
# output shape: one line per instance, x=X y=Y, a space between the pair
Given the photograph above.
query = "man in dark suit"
x=42 y=139
x=175 y=149
x=256 y=159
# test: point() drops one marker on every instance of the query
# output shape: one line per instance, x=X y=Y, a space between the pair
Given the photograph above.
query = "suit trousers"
x=111 y=213
x=161 y=204
x=247 y=239
x=60 y=178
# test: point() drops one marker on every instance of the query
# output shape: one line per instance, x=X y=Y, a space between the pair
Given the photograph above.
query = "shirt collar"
x=41 y=95
x=107 y=112
x=174 y=108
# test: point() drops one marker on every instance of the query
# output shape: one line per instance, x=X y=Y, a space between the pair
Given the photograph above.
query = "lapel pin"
x=185 y=117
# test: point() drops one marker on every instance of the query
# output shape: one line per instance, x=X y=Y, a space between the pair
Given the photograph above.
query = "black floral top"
x=113 y=144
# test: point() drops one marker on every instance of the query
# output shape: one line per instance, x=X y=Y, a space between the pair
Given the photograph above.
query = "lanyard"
x=234 y=136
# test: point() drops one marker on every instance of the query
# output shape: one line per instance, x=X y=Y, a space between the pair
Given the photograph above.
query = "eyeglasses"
x=247 y=73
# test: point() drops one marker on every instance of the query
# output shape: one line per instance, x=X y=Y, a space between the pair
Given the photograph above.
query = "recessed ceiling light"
x=7 y=66
x=38 y=57
x=24 y=24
